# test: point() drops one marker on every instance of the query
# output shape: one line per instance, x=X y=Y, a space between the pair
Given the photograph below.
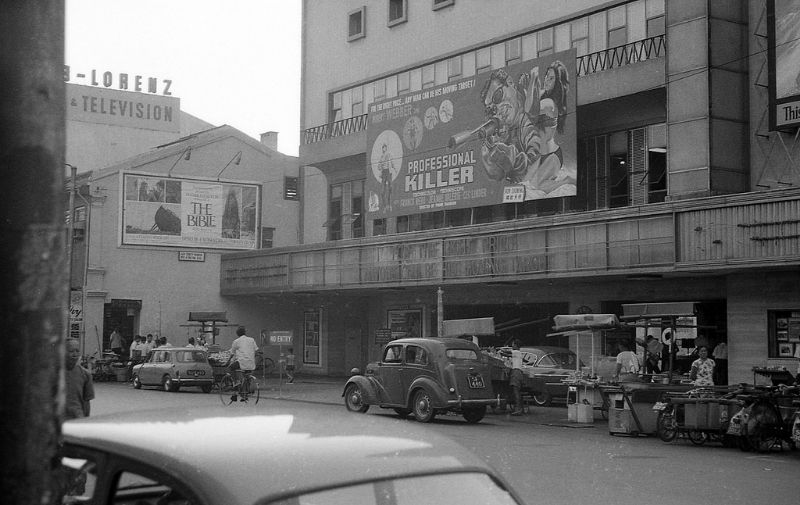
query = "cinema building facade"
x=555 y=158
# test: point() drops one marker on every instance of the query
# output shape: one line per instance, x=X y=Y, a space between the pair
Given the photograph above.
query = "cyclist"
x=243 y=351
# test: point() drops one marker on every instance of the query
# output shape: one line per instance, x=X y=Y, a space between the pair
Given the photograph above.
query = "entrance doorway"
x=124 y=315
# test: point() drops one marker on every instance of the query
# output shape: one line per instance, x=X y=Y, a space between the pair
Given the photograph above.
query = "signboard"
x=123 y=108
x=177 y=212
x=281 y=337
x=191 y=256
x=406 y=323
x=783 y=48
x=383 y=336
x=503 y=136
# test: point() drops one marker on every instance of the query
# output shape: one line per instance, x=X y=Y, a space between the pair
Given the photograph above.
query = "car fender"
x=439 y=395
x=369 y=393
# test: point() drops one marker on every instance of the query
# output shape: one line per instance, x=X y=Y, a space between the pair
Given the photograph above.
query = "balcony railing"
x=641 y=50
x=335 y=129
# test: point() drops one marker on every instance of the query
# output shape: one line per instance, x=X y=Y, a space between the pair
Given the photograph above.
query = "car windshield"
x=461 y=488
x=461 y=355
x=191 y=356
x=559 y=359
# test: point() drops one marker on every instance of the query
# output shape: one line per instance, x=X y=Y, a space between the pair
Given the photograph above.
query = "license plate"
x=734 y=429
x=475 y=381
x=196 y=373
x=659 y=406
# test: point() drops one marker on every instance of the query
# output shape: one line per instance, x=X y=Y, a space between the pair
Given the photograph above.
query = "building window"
x=403 y=82
x=380 y=89
x=356 y=24
x=441 y=4
x=358 y=101
x=654 y=12
x=336 y=107
x=267 y=234
x=356 y=214
x=580 y=35
x=618 y=170
x=454 y=68
x=483 y=59
x=398 y=12
x=513 y=51
x=290 y=188
x=617 y=27
x=378 y=227
x=428 y=76
x=334 y=222
x=784 y=333
x=545 y=42
x=656 y=163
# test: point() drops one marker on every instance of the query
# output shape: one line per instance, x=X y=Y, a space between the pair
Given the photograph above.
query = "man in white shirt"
x=243 y=351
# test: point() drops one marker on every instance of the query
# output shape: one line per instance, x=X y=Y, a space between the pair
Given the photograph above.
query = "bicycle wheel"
x=250 y=391
x=764 y=427
x=227 y=392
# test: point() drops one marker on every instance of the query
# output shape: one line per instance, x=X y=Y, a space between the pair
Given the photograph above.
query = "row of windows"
x=595 y=32
x=618 y=169
x=397 y=13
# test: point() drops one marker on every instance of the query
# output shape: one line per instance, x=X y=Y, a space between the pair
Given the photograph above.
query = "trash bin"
x=120 y=372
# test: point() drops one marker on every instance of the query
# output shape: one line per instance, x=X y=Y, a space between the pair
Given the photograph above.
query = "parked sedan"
x=288 y=456
x=172 y=368
x=544 y=368
x=425 y=376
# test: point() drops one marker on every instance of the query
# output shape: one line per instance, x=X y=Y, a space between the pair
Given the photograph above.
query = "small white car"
x=172 y=368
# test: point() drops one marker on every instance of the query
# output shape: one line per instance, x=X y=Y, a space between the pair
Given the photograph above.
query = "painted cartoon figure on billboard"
x=504 y=136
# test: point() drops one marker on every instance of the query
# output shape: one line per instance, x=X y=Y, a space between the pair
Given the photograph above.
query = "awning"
x=658 y=310
x=474 y=326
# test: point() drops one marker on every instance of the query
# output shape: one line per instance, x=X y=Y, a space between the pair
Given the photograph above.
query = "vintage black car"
x=425 y=376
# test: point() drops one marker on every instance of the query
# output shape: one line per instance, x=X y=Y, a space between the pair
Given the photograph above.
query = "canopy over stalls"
x=474 y=326
x=583 y=325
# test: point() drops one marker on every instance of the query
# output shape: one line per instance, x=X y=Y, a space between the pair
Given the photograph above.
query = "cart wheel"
x=542 y=398
x=697 y=437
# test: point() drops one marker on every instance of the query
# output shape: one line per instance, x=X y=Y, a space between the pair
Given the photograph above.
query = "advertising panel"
x=503 y=136
x=189 y=213
x=783 y=26
x=123 y=108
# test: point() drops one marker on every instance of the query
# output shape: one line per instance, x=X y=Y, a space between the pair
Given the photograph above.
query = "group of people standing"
x=704 y=370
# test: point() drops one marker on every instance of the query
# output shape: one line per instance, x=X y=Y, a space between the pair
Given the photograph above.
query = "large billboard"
x=783 y=25
x=503 y=136
x=168 y=211
x=123 y=108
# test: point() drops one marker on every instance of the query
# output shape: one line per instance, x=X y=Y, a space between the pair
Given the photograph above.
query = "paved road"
x=550 y=460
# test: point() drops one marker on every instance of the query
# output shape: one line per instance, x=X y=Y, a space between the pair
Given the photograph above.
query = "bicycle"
x=264 y=365
x=246 y=391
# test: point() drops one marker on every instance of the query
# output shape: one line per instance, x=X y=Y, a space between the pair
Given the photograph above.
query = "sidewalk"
x=328 y=390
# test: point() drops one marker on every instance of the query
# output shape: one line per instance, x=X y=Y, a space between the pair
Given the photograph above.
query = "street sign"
x=281 y=337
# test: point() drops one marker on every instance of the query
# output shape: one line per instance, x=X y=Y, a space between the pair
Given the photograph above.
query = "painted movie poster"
x=783 y=22
x=189 y=213
x=504 y=136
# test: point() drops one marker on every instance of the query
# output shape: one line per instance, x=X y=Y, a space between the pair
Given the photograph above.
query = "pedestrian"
x=115 y=342
x=627 y=369
x=515 y=378
x=702 y=373
x=721 y=363
x=290 y=366
x=148 y=345
x=79 y=385
x=653 y=349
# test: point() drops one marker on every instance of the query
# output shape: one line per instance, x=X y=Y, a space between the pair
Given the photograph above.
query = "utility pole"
x=35 y=294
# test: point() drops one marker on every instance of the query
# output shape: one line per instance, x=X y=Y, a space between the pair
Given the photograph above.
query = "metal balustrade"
x=641 y=50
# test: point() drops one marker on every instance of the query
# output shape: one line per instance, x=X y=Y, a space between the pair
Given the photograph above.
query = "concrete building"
x=674 y=185
x=159 y=195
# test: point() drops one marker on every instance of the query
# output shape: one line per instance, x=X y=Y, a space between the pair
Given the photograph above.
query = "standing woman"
x=702 y=373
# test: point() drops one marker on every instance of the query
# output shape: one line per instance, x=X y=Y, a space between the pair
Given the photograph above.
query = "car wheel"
x=137 y=384
x=475 y=414
x=423 y=406
x=542 y=398
x=206 y=388
x=403 y=413
x=169 y=384
x=354 y=400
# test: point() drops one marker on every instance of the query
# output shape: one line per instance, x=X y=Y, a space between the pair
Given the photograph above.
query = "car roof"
x=455 y=343
x=545 y=349
x=286 y=449
x=185 y=348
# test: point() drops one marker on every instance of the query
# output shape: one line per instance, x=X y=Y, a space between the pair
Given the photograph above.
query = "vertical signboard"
x=783 y=47
x=503 y=136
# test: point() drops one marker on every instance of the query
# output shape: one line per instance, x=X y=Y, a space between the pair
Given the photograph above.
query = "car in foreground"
x=288 y=455
x=545 y=367
x=172 y=368
x=425 y=376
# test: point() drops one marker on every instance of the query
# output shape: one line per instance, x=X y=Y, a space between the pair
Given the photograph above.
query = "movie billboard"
x=168 y=211
x=783 y=26
x=503 y=136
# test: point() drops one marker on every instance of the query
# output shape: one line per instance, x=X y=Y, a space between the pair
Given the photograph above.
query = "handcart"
x=701 y=415
x=767 y=419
